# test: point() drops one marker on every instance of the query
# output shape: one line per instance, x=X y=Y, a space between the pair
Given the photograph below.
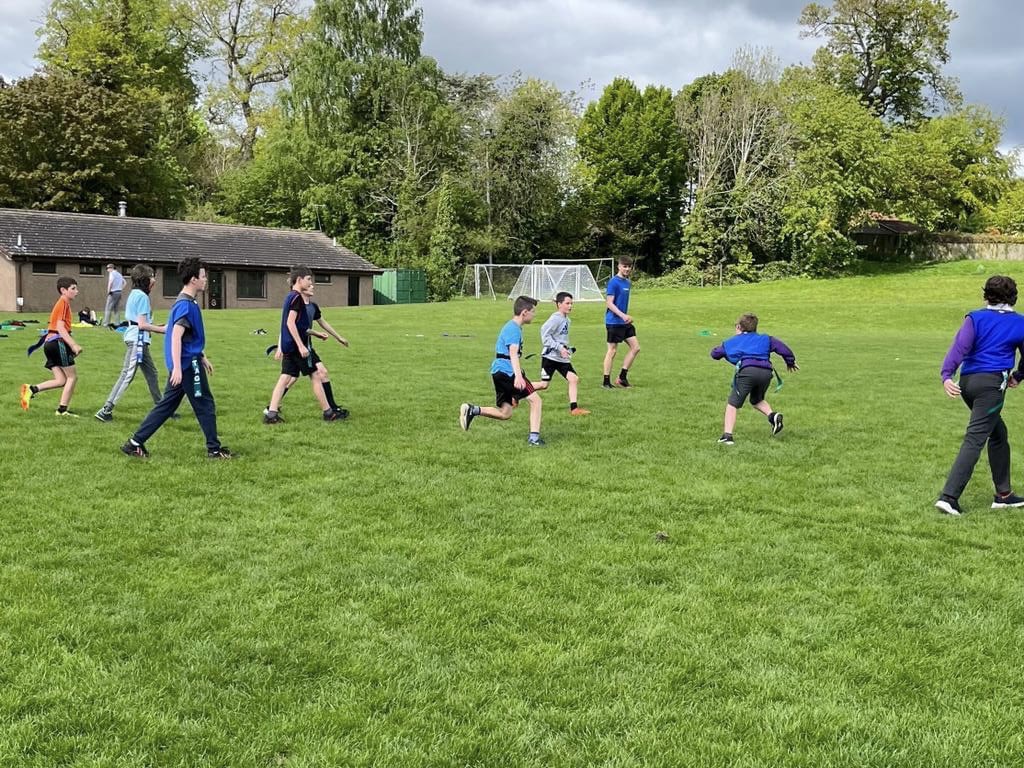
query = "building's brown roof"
x=887 y=225
x=84 y=237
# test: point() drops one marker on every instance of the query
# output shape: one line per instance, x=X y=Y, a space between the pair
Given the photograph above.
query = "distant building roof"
x=87 y=237
x=887 y=225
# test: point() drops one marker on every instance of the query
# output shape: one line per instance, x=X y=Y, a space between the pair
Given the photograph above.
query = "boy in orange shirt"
x=60 y=349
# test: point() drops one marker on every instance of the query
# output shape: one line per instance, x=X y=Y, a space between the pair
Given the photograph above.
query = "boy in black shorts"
x=556 y=353
x=619 y=324
x=295 y=352
x=750 y=351
x=510 y=384
x=60 y=350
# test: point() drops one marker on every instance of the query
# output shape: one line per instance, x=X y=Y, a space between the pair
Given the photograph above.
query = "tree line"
x=264 y=112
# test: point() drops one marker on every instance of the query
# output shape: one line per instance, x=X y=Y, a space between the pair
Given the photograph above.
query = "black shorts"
x=752 y=381
x=58 y=354
x=619 y=333
x=549 y=368
x=505 y=391
x=294 y=364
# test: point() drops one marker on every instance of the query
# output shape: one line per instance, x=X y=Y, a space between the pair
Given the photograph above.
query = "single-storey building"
x=884 y=236
x=247 y=266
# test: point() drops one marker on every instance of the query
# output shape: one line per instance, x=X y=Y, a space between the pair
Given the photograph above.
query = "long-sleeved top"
x=554 y=336
x=987 y=342
x=753 y=349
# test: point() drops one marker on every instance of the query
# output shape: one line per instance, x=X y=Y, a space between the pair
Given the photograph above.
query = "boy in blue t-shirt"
x=750 y=352
x=138 y=312
x=184 y=353
x=510 y=383
x=619 y=324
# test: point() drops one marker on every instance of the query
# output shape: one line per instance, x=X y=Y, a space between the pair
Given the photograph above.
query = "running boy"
x=185 y=356
x=750 y=351
x=619 y=325
x=295 y=351
x=139 y=313
x=556 y=354
x=510 y=384
x=985 y=350
x=60 y=350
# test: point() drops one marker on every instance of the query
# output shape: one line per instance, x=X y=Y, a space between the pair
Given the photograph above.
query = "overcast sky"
x=582 y=45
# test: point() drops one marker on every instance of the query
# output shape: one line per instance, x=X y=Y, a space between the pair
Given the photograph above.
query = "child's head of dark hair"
x=1000 y=289
x=142 y=277
x=747 y=322
x=523 y=303
x=189 y=268
x=625 y=261
x=299 y=270
x=64 y=282
x=562 y=296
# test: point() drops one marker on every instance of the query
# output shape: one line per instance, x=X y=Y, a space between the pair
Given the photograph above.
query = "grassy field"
x=391 y=591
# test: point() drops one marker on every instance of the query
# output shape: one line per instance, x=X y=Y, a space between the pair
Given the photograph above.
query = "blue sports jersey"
x=997 y=337
x=511 y=333
x=138 y=305
x=618 y=289
x=293 y=301
x=185 y=312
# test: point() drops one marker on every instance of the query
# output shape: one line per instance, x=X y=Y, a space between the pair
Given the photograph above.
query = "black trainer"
x=949 y=506
x=1008 y=501
x=220 y=453
x=466 y=415
x=726 y=439
x=776 y=423
x=134 y=450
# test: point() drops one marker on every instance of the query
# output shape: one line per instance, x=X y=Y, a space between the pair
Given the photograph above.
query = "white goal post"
x=542 y=279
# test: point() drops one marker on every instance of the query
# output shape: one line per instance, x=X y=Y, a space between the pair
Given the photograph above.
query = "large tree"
x=634 y=161
x=890 y=53
x=251 y=44
x=70 y=145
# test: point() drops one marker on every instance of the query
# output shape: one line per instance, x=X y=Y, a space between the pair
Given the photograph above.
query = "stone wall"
x=976 y=251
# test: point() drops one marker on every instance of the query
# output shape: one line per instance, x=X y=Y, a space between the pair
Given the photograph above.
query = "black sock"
x=61 y=408
x=771 y=416
x=623 y=374
x=329 y=394
x=573 y=406
x=34 y=390
x=608 y=379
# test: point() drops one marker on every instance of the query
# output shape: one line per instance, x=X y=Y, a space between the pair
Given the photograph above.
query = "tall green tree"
x=252 y=44
x=836 y=173
x=634 y=159
x=71 y=145
x=890 y=53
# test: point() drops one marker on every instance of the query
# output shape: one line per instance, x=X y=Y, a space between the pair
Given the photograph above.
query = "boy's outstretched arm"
x=327 y=327
x=783 y=351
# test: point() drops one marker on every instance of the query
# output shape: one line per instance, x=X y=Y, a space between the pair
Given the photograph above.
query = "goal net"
x=544 y=280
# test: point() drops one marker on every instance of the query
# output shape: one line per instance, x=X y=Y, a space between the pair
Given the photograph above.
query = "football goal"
x=542 y=279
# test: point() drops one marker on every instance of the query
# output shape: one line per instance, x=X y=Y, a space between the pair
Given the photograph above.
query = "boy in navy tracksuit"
x=985 y=350
x=750 y=352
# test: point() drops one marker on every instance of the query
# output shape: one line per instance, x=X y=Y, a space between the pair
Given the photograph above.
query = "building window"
x=252 y=285
x=321 y=278
x=89 y=269
x=172 y=282
x=44 y=267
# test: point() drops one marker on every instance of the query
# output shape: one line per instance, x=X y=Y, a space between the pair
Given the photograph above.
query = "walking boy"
x=985 y=350
x=60 y=350
x=139 y=313
x=556 y=354
x=750 y=351
x=184 y=353
x=619 y=324
x=296 y=354
x=510 y=384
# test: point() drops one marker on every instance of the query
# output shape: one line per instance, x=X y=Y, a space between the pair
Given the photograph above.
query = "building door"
x=215 y=289
x=353 y=290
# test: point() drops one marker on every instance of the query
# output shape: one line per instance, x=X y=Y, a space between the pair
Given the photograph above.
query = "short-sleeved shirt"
x=185 y=313
x=293 y=303
x=618 y=289
x=138 y=305
x=511 y=333
x=61 y=311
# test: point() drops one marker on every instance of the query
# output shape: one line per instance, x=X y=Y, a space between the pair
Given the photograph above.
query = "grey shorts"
x=750 y=381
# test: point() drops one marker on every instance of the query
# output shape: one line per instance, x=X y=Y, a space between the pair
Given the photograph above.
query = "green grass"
x=391 y=591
